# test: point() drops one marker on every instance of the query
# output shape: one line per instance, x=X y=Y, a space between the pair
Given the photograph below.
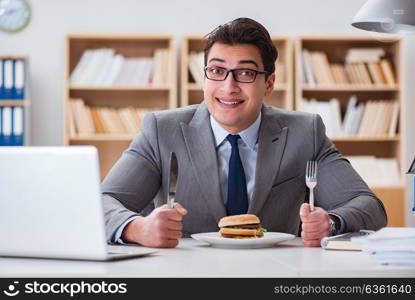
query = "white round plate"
x=269 y=240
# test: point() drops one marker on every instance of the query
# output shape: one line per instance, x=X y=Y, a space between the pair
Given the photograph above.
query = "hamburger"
x=241 y=227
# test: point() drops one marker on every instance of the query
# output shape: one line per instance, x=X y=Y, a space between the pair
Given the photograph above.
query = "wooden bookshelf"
x=349 y=88
x=393 y=200
x=366 y=139
x=147 y=96
x=119 y=88
x=103 y=137
x=24 y=103
x=282 y=96
x=336 y=47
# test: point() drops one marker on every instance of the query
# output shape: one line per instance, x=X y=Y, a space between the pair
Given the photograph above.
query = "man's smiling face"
x=235 y=105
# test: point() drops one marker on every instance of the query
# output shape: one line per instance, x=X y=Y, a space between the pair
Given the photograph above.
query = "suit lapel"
x=272 y=140
x=200 y=145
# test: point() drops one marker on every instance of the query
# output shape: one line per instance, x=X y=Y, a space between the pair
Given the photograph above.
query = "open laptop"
x=50 y=205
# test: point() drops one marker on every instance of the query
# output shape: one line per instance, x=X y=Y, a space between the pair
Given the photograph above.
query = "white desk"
x=196 y=259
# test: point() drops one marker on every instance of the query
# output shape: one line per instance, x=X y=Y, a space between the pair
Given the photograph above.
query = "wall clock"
x=14 y=15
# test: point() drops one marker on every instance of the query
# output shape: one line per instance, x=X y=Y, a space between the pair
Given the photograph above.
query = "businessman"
x=235 y=155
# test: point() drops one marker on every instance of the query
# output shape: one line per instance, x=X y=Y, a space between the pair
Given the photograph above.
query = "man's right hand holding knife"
x=160 y=229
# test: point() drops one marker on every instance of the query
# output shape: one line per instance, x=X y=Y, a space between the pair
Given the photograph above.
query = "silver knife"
x=174 y=170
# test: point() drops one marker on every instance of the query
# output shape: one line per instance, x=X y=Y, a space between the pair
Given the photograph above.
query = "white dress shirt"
x=248 y=151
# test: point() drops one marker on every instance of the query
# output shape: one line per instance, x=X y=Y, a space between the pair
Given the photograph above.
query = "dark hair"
x=244 y=31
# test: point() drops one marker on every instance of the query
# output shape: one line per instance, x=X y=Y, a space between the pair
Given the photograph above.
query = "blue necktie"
x=237 y=195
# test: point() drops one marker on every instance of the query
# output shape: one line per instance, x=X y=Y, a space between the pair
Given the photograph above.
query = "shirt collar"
x=249 y=135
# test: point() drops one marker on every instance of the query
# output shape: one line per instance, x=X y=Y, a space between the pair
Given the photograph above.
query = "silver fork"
x=311 y=180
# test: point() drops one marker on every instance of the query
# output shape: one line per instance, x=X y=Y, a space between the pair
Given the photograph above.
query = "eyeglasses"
x=240 y=75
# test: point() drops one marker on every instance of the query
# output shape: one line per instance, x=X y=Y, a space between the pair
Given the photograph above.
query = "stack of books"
x=377 y=172
x=344 y=241
x=84 y=120
x=390 y=245
x=104 y=67
x=362 y=66
x=374 y=118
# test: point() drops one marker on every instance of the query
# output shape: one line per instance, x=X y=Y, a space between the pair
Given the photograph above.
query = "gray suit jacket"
x=287 y=139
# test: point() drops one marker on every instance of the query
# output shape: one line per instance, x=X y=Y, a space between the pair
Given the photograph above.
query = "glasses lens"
x=216 y=73
x=245 y=75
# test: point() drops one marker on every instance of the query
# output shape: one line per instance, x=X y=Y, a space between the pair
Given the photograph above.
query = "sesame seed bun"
x=238 y=220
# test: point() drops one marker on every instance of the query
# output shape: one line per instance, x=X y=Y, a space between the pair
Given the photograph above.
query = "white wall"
x=43 y=40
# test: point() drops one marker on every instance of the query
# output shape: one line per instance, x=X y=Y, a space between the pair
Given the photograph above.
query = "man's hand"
x=161 y=229
x=315 y=225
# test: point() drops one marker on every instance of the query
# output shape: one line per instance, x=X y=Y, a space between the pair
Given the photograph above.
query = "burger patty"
x=238 y=236
x=245 y=226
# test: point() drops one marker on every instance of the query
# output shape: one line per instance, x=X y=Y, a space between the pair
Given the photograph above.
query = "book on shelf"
x=387 y=70
x=339 y=74
x=70 y=120
x=336 y=116
x=374 y=118
x=365 y=74
x=18 y=126
x=12 y=78
x=116 y=120
x=362 y=66
x=376 y=73
x=109 y=122
x=105 y=118
x=106 y=68
x=11 y=126
x=80 y=67
x=1 y=78
x=82 y=121
x=280 y=73
x=324 y=63
x=6 y=126
x=88 y=120
x=99 y=127
x=347 y=126
x=161 y=70
x=196 y=64
x=321 y=68
x=394 y=119
x=128 y=120
x=377 y=172
x=307 y=68
x=380 y=118
x=344 y=241
x=8 y=75
x=364 y=55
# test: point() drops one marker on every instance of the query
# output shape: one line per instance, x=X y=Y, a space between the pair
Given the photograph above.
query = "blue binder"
x=1 y=80
x=1 y=124
x=19 y=79
x=17 y=136
x=7 y=115
x=8 y=78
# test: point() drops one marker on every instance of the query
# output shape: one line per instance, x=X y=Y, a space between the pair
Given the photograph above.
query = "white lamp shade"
x=388 y=16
